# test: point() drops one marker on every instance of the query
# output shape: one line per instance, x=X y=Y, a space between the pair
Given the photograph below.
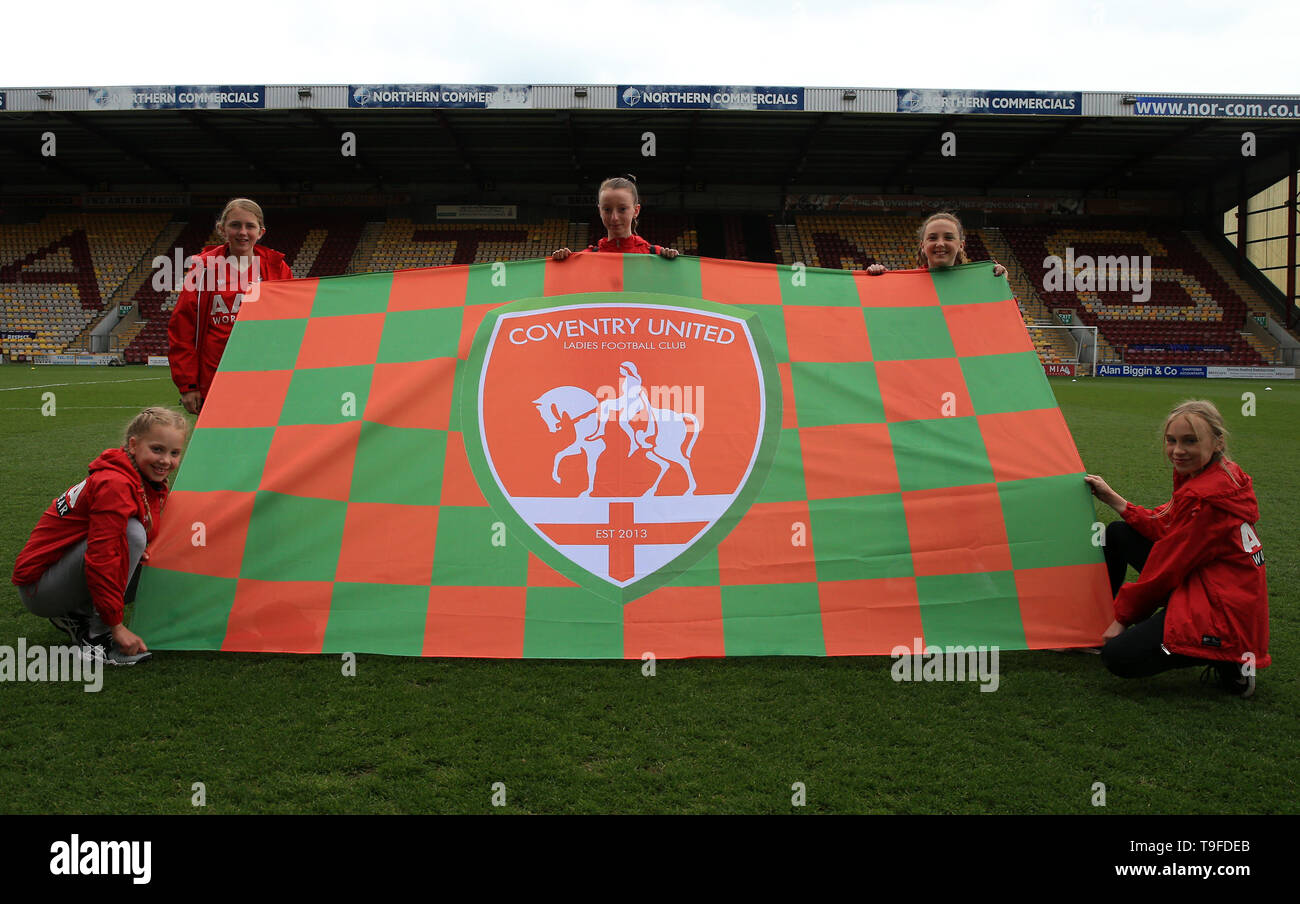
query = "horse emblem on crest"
x=663 y=440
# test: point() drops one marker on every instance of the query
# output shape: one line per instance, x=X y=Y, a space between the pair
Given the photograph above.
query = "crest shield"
x=620 y=435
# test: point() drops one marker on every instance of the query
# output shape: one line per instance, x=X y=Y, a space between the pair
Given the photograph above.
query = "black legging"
x=1139 y=652
x=1124 y=547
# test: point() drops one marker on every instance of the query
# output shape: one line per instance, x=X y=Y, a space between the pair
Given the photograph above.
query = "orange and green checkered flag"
x=620 y=454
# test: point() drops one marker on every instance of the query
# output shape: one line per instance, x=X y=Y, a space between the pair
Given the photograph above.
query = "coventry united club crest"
x=620 y=435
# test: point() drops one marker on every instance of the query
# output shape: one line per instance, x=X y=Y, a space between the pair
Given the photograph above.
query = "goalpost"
x=1083 y=339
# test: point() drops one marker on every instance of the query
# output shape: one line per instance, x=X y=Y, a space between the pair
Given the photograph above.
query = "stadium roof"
x=408 y=139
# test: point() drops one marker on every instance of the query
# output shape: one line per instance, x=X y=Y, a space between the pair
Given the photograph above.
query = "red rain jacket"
x=205 y=313
x=633 y=244
x=96 y=510
x=1207 y=563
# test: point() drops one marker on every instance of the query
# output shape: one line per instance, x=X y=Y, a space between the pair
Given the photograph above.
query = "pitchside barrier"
x=1197 y=371
x=1084 y=340
x=1251 y=373
x=100 y=360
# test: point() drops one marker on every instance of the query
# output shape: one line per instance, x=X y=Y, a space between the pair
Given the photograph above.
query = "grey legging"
x=62 y=589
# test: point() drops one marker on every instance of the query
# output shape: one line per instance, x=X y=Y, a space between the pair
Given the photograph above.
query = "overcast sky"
x=1195 y=46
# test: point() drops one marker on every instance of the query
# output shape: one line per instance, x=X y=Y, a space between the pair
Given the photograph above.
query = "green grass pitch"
x=292 y=734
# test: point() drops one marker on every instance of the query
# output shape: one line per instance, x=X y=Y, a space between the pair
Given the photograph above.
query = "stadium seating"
x=154 y=306
x=403 y=243
x=1192 y=315
x=733 y=235
x=846 y=241
x=854 y=242
x=336 y=251
x=313 y=244
x=57 y=274
x=671 y=230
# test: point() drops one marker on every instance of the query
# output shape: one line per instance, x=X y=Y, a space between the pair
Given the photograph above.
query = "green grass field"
x=291 y=734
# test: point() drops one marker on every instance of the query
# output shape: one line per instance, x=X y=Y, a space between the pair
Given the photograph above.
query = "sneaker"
x=102 y=649
x=1228 y=676
x=117 y=657
x=75 y=626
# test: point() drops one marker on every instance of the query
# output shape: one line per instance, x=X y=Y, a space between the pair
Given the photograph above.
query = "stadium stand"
x=667 y=229
x=1053 y=346
x=848 y=242
x=337 y=249
x=855 y=242
x=153 y=307
x=57 y=274
x=1192 y=316
x=60 y=273
x=403 y=243
x=313 y=244
x=733 y=233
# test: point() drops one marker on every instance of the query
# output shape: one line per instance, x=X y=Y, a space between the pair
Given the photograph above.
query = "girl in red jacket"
x=78 y=562
x=215 y=287
x=1198 y=557
x=620 y=205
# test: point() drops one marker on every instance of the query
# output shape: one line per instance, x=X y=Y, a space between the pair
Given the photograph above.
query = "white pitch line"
x=81 y=383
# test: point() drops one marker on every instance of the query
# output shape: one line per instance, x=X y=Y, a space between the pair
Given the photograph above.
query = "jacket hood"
x=269 y=254
x=117 y=460
x=1223 y=485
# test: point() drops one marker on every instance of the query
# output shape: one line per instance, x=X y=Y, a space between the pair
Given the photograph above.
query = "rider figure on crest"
x=632 y=402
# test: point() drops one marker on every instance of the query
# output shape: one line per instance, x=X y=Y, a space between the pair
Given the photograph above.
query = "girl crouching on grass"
x=81 y=560
x=1197 y=556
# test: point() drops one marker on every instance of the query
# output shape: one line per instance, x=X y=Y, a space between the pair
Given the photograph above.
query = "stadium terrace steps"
x=1270 y=352
x=307 y=252
x=1054 y=345
x=733 y=236
x=1106 y=352
x=336 y=252
x=55 y=274
x=129 y=327
x=1269 y=349
x=1193 y=315
x=155 y=307
x=1226 y=271
x=126 y=331
x=672 y=230
x=403 y=244
x=786 y=244
x=854 y=242
x=365 y=250
x=1021 y=283
x=579 y=237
